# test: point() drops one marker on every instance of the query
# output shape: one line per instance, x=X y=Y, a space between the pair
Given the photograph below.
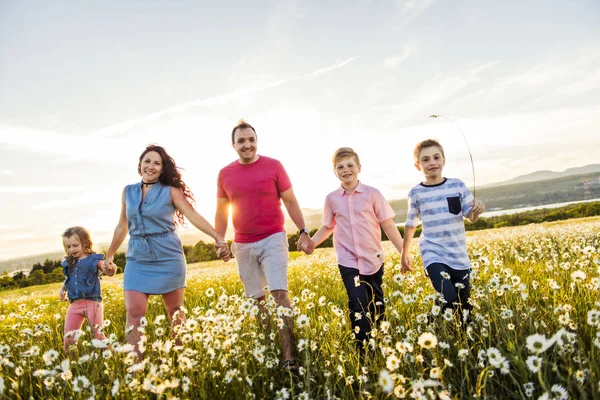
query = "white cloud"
x=39 y=189
x=395 y=61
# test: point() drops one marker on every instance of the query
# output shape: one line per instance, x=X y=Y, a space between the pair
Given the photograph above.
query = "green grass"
x=525 y=283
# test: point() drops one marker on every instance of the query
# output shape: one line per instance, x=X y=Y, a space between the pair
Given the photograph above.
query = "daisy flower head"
x=303 y=321
x=534 y=363
x=385 y=381
x=537 y=343
x=427 y=340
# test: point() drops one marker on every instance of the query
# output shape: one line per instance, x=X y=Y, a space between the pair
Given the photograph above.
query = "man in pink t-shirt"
x=354 y=214
x=254 y=187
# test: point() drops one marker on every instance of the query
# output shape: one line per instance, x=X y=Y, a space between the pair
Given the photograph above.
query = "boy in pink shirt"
x=354 y=213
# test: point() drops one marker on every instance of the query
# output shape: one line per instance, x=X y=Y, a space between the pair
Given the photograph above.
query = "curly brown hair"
x=170 y=176
x=86 y=242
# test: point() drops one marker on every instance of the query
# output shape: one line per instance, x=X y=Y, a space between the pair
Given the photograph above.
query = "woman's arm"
x=119 y=235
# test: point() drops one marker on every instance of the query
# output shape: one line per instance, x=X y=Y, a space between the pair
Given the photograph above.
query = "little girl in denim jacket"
x=82 y=284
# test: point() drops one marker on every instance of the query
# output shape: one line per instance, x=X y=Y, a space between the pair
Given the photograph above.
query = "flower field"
x=535 y=332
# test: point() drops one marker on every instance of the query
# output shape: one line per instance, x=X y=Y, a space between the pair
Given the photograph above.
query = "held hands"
x=406 y=262
x=222 y=249
x=110 y=269
x=305 y=244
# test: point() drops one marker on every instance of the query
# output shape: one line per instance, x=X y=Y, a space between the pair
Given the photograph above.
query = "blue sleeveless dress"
x=155 y=259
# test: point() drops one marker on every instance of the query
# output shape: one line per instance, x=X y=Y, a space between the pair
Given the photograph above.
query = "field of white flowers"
x=535 y=333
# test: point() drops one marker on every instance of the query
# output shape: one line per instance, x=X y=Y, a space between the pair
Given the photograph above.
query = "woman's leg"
x=73 y=321
x=173 y=302
x=135 y=308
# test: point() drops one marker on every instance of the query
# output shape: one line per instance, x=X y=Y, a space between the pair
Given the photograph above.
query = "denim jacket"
x=83 y=281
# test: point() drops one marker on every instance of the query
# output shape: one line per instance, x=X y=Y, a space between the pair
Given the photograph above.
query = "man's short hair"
x=424 y=145
x=241 y=125
x=344 y=152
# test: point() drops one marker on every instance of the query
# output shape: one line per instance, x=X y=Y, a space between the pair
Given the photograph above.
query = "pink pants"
x=80 y=310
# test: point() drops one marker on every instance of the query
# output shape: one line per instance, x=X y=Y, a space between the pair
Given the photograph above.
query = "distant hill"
x=547 y=175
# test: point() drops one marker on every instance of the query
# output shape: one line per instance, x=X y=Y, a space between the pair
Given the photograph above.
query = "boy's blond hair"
x=344 y=152
x=424 y=145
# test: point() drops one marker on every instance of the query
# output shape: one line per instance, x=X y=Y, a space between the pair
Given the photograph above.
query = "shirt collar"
x=359 y=189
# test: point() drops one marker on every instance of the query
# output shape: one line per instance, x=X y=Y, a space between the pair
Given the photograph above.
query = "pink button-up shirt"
x=355 y=220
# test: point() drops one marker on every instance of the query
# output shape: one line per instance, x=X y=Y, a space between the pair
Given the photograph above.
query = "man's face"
x=244 y=143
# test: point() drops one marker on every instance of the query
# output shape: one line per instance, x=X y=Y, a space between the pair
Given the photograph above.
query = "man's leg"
x=273 y=257
x=282 y=299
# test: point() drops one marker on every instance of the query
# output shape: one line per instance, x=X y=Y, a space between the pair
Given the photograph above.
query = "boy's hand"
x=478 y=208
x=63 y=294
x=406 y=262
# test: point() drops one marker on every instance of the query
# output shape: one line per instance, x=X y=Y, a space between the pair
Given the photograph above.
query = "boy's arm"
x=476 y=211
x=409 y=232
x=323 y=233
x=391 y=230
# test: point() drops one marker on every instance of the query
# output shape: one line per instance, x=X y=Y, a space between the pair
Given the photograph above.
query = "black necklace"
x=148 y=183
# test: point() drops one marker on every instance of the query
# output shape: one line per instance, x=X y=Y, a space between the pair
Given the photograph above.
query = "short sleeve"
x=466 y=199
x=328 y=218
x=413 y=218
x=381 y=207
x=95 y=257
x=283 y=180
x=65 y=269
x=221 y=194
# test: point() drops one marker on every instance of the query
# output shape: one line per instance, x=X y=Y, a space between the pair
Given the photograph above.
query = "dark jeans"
x=365 y=301
x=455 y=297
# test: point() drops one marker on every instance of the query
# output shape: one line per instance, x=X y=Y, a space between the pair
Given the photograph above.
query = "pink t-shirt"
x=357 y=234
x=253 y=191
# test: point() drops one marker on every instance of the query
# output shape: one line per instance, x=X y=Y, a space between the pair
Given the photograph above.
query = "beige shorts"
x=263 y=263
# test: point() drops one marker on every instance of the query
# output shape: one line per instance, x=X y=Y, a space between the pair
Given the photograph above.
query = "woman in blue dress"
x=151 y=211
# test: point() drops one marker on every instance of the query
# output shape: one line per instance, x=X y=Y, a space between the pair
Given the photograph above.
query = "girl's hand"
x=63 y=294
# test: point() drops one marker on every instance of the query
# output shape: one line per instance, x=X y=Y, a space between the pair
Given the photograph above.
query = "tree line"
x=50 y=271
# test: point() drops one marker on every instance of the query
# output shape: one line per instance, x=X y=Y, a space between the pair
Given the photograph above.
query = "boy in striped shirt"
x=441 y=204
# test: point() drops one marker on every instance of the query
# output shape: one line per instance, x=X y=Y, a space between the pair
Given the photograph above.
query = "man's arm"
x=293 y=208
x=222 y=215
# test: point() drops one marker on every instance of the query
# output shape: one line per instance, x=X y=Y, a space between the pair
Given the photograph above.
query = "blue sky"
x=85 y=86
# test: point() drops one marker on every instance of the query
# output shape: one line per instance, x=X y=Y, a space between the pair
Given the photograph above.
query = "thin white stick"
x=466 y=143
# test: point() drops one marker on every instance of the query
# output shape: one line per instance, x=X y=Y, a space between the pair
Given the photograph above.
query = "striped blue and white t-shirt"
x=441 y=208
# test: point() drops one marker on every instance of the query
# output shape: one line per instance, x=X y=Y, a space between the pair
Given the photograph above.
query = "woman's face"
x=151 y=166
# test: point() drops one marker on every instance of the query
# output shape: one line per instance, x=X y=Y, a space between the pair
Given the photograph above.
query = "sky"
x=85 y=86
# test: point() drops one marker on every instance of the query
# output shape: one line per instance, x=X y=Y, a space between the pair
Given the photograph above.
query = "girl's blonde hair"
x=86 y=242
